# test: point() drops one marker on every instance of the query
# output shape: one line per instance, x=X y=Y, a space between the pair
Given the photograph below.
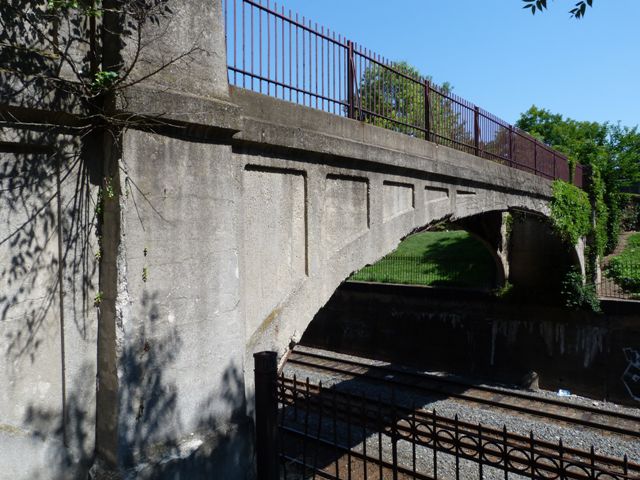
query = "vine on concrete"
x=570 y=212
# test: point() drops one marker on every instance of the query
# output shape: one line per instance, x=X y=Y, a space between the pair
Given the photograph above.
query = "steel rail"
x=403 y=421
x=631 y=432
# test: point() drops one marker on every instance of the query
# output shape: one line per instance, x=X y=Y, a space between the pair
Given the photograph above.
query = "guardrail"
x=287 y=56
x=306 y=430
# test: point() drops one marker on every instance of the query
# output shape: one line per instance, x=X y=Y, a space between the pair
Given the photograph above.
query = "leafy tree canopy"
x=578 y=10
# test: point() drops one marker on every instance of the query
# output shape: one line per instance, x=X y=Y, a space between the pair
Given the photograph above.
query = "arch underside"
x=323 y=223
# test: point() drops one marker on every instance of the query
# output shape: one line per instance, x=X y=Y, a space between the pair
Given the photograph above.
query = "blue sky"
x=500 y=56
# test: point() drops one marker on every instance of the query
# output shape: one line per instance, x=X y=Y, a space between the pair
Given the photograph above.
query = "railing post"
x=511 y=162
x=476 y=130
x=266 y=384
x=350 y=92
x=427 y=111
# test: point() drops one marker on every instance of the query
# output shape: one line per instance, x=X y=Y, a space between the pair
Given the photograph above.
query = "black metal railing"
x=415 y=270
x=325 y=433
x=273 y=51
x=620 y=280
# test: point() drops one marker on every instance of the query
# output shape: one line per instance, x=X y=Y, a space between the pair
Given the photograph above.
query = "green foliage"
x=97 y=300
x=596 y=194
x=611 y=151
x=390 y=92
x=570 y=212
x=579 y=295
x=625 y=267
x=630 y=217
x=578 y=10
x=103 y=80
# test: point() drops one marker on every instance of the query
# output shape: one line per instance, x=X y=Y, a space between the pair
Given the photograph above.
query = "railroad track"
x=604 y=421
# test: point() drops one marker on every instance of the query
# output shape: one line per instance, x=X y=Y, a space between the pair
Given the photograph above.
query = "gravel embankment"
x=572 y=436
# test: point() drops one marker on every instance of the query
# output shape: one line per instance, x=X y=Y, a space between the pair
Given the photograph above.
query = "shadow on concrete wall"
x=29 y=179
x=149 y=418
x=150 y=413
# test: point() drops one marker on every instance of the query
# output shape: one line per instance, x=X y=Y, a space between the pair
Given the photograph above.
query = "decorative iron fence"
x=620 y=280
x=284 y=55
x=325 y=433
x=414 y=270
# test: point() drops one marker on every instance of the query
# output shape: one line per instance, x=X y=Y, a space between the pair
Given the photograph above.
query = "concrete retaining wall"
x=470 y=333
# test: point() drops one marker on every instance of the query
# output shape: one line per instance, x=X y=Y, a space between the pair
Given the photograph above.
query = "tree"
x=88 y=50
x=612 y=152
x=393 y=97
x=578 y=11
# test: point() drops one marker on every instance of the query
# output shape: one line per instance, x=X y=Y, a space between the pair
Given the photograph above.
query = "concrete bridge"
x=227 y=220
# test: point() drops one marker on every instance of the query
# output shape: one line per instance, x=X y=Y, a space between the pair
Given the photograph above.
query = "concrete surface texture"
x=225 y=230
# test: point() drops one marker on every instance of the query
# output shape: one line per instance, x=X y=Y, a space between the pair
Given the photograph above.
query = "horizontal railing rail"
x=284 y=55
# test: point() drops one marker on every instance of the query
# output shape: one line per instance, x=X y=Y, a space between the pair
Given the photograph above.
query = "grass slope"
x=451 y=258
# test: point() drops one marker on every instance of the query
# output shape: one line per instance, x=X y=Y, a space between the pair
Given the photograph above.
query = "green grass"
x=450 y=258
x=625 y=267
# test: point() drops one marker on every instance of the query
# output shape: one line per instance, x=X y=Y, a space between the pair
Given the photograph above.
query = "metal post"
x=427 y=111
x=476 y=130
x=511 y=146
x=350 y=66
x=266 y=378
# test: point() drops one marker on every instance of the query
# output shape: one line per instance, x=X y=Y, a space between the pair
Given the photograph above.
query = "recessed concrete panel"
x=346 y=210
x=276 y=231
x=397 y=199
x=437 y=202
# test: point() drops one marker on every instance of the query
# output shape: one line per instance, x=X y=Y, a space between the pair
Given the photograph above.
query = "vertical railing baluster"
x=283 y=410
x=306 y=429
x=457 y=440
x=532 y=453
x=268 y=50
x=505 y=450
x=394 y=435
x=365 y=419
x=476 y=130
x=317 y=446
x=298 y=60
x=252 y=44
x=334 y=417
x=315 y=73
x=480 y=452
x=266 y=414
x=244 y=55
x=413 y=438
x=380 y=427
x=349 y=67
x=434 y=434
x=511 y=146
x=348 y=402
x=260 y=46
x=561 y=473
x=427 y=111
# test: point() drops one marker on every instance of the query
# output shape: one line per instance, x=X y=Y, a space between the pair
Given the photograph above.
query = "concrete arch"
x=352 y=218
